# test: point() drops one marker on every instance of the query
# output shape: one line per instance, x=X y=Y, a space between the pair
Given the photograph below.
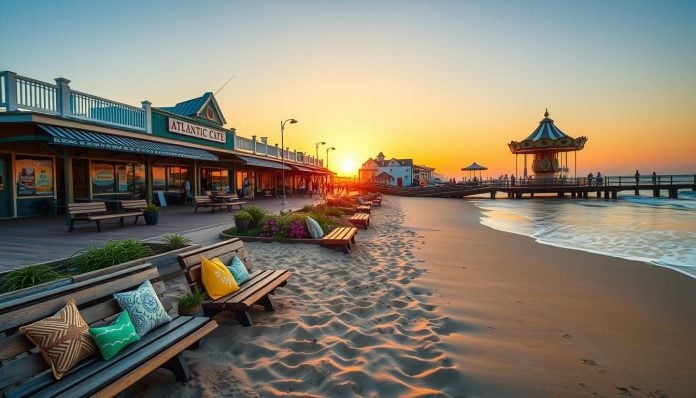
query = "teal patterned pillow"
x=314 y=228
x=238 y=270
x=115 y=337
x=144 y=308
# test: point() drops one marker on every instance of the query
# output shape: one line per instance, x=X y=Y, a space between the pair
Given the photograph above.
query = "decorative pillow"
x=217 y=279
x=314 y=228
x=238 y=270
x=144 y=308
x=115 y=337
x=63 y=339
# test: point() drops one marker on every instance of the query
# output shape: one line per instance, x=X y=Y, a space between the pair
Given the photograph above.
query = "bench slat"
x=248 y=287
x=275 y=279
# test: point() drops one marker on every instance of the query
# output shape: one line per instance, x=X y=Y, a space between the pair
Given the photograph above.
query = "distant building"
x=394 y=172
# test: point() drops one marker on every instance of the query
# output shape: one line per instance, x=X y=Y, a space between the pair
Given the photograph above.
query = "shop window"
x=34 y=176
x=215 y=180
x=117 y=178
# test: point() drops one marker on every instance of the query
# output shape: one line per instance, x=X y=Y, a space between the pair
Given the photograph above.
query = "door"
x=5 y=187
x=399 y=182
x=80 y=179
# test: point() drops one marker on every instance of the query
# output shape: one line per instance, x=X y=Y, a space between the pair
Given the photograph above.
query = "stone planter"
x=268 y=240
x=241 y=225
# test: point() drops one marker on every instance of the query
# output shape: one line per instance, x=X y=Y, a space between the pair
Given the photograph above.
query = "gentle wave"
x=659 y=231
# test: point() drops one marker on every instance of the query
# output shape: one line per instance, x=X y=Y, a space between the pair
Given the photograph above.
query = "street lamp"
x=319 y=143
x=327 y=155
x=282 y=157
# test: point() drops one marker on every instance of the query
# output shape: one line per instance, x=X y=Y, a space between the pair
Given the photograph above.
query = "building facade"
x=393 y=172
x=59 y=146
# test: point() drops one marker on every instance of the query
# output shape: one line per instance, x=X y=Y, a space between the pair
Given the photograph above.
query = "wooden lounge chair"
x=341 y=238
x=360 y=220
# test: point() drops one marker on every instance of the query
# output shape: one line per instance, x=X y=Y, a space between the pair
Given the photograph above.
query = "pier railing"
x=20 y=93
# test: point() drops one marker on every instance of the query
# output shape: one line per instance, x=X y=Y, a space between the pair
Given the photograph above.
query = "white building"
x=395 y=172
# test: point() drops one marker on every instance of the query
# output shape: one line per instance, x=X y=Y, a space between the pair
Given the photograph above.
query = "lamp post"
x=282 y=157
x=327 y=155
x=317 y=145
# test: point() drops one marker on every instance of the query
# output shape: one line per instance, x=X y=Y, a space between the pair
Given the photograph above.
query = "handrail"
x=87 y=106
x=36 y=95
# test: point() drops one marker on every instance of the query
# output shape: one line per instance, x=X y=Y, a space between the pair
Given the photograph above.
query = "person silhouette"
x=637 y=177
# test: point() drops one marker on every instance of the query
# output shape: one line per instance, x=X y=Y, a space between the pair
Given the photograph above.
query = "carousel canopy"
x=474 y=167
x=547 y=137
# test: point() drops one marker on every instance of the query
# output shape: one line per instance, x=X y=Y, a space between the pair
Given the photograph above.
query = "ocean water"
x=658 y=231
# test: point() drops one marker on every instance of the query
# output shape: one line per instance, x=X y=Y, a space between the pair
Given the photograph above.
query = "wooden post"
x=68 y=177
x=148 y=180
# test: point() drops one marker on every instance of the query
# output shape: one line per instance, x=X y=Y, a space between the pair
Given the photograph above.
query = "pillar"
x=63 y=96
x=147 y=107
x=67 y=176
x=10 y=90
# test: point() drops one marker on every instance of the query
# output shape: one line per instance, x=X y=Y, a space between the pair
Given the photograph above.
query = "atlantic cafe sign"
x=192 y=130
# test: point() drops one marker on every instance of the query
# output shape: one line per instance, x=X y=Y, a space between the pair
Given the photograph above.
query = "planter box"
x=269 y=240
x=167 y=264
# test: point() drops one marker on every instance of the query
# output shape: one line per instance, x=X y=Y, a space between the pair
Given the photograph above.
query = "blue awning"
x=252 y=161
x=89 y=139
x=303 y=169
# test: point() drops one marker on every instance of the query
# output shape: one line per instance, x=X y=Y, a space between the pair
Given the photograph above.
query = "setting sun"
x=348 y=167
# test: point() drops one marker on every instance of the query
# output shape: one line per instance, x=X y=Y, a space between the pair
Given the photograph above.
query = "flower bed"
x=288 y=227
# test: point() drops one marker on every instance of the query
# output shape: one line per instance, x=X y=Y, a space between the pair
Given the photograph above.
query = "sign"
x=102 y=178
x=34 y=177
x=185 y=128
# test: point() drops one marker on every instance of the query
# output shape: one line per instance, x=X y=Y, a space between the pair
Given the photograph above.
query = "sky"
x=445 y=83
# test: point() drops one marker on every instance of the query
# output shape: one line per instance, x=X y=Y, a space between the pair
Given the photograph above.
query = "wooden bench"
x=256 y=290
x=134 y=207
x=24 y=372
x=206 y=201
x=96 y=211
x=364 y=209
x=360 y=220
x=341 y=238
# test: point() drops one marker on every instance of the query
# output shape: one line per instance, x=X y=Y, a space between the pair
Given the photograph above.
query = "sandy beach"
x=431 y=303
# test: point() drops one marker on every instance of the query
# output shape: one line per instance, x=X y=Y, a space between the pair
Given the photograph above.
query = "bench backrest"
x=94 y=298
x=134 y=204
x=76 y=209
x=202 y=199
x=190 y=262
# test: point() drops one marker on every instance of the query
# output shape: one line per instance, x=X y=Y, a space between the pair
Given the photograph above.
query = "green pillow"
x=238 y=270
x=144 y=308
x=115 y=337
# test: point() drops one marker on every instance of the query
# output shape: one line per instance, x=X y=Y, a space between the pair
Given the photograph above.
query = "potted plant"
x=151 y=214
x=241 y=220
x=191 y=304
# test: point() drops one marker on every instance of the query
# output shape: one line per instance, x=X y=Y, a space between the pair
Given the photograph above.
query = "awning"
x=252 y=161
x=89 y=139
x=303 y=169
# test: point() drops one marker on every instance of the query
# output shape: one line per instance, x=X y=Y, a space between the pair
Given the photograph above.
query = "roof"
x=384 y=175
x=547 y=137
x=474 y=166
x=195 y=107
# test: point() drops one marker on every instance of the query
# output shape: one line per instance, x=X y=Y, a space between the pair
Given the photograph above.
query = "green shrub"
x=176 y=241
x=307 y=209
x=28 y=276
x=192 y=300
x=243 y=215
x=114 y=252
x=258 y=215
x=151 y=209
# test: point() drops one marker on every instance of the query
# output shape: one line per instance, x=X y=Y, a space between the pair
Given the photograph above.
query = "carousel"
x=550 y=147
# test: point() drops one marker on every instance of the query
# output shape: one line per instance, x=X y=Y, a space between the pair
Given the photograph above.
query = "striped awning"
x=252 y=161
x=303 y=169
x=90 y=139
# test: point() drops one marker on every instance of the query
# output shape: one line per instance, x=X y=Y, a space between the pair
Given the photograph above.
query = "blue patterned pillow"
x=238 y=270
x=314 y=228
x=144 y=308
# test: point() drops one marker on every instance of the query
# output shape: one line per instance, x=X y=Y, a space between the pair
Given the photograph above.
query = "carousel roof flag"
x=547 y=137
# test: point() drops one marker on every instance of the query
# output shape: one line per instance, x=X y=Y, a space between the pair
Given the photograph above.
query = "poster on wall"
x=34 y=177
x=102 y=178
x=122 y=178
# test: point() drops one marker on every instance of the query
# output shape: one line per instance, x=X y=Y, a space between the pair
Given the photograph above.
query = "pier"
x=606 y=187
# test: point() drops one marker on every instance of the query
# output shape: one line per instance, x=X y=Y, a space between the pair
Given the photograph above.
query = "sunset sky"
x=443 y=82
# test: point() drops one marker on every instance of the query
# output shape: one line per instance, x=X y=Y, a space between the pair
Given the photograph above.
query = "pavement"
x=40 y=239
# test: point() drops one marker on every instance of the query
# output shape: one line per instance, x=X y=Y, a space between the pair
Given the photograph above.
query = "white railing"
x=36 y=95
x=3 y=100
x=89 y=107
x=273 y=151
x=244 y=144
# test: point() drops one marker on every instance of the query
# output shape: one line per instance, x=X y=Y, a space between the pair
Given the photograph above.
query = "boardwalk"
x=39 y=239
x=607 y=187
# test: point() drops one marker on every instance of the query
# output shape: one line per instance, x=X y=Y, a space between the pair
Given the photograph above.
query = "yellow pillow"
x=217 y=279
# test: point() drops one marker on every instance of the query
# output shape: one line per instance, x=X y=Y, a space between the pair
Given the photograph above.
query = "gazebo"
x=473 y=168
x=547 y=143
